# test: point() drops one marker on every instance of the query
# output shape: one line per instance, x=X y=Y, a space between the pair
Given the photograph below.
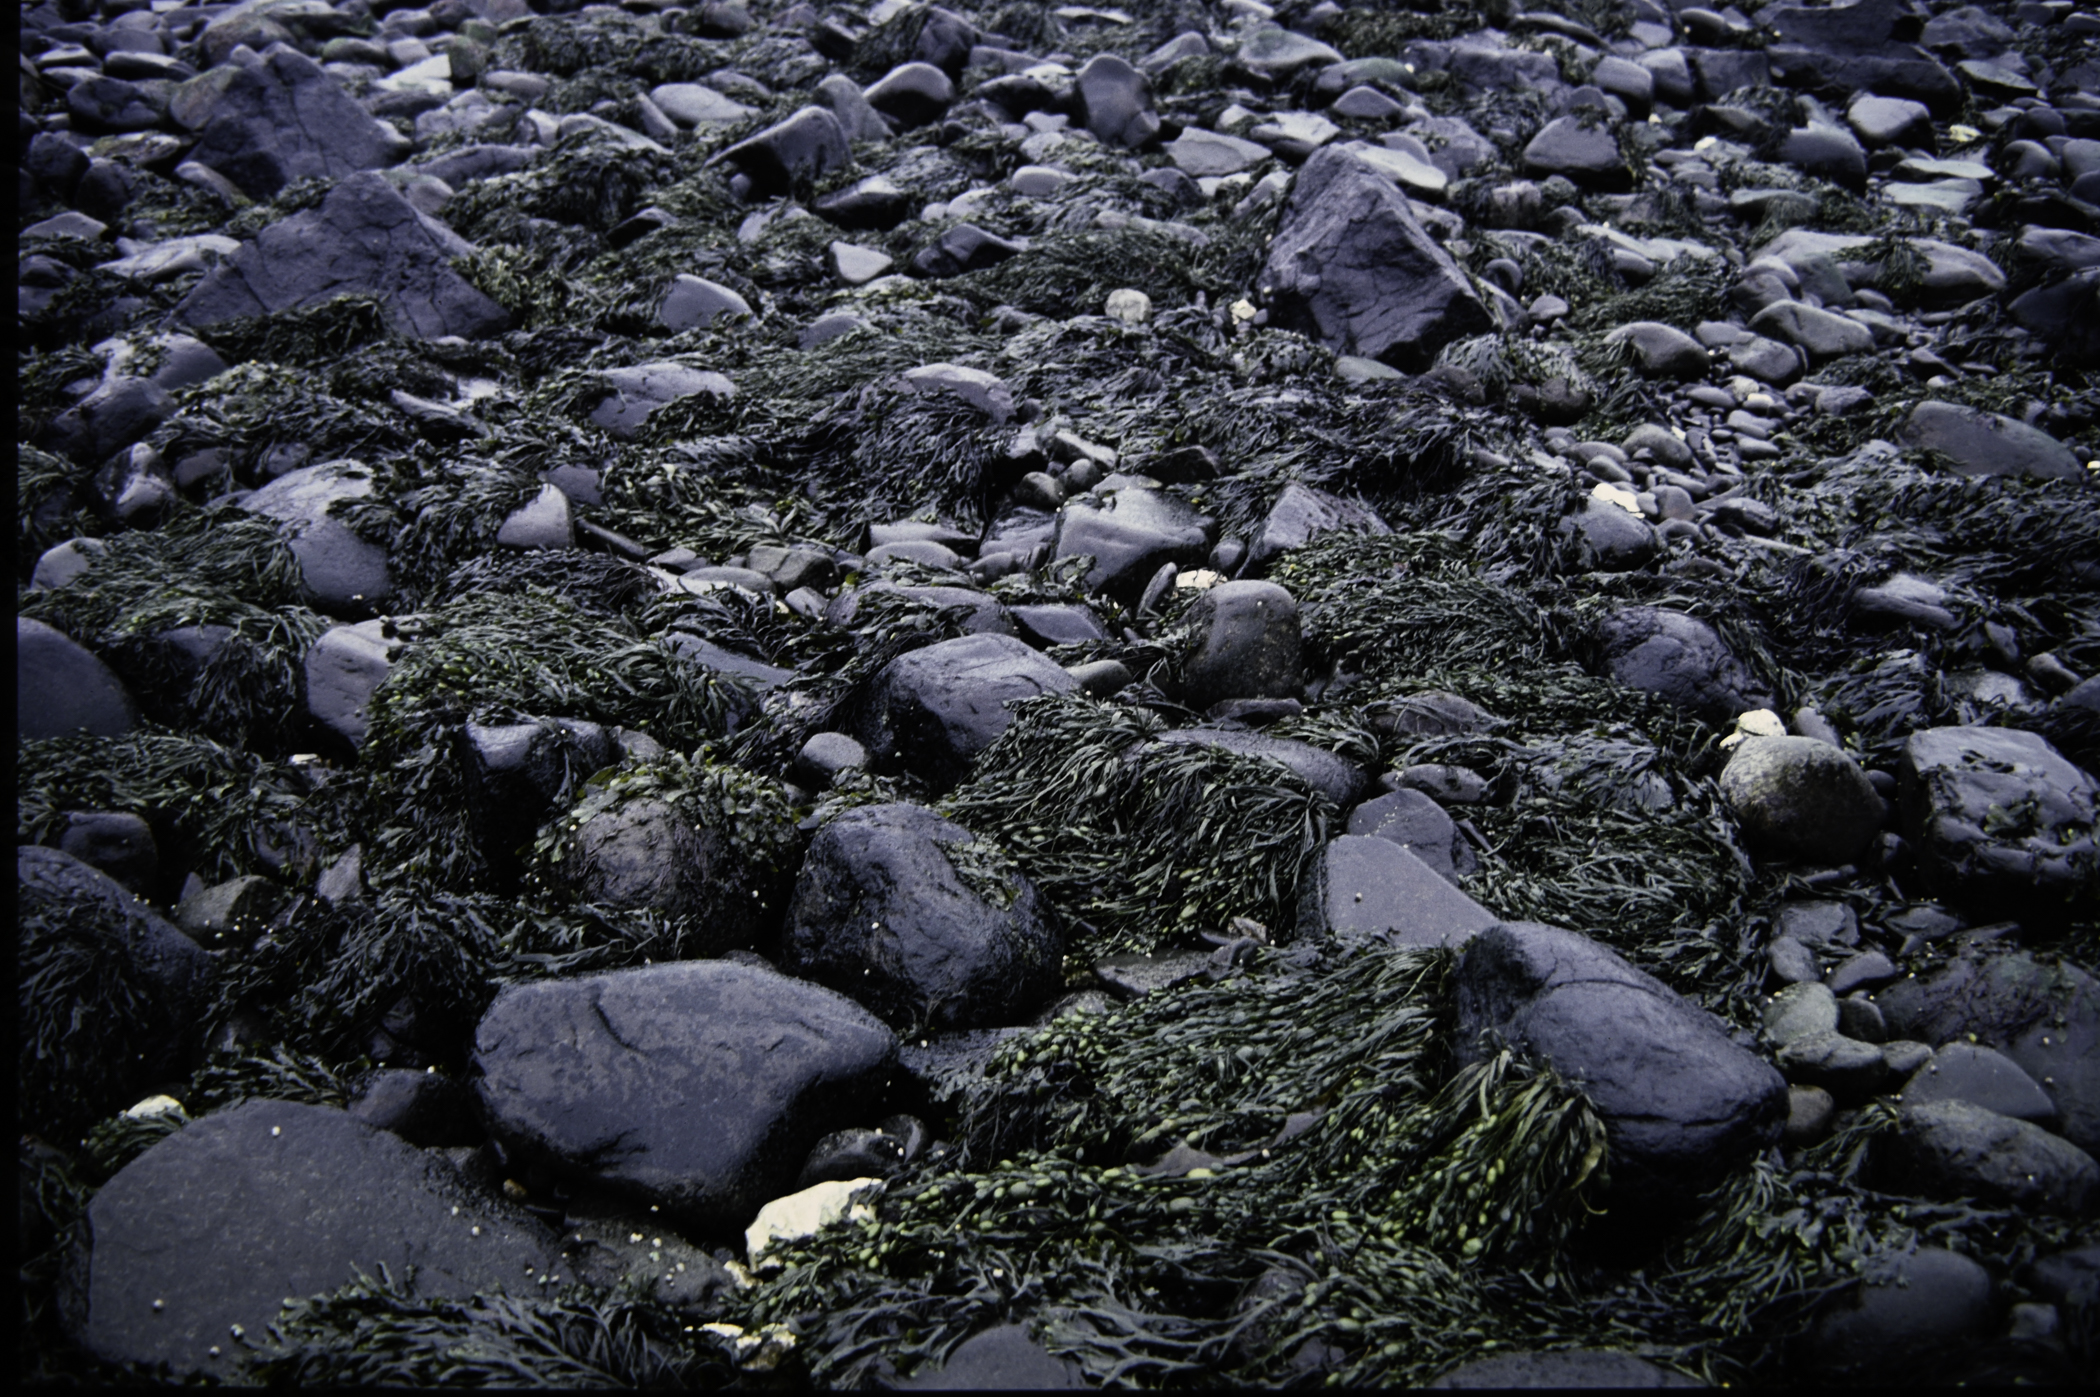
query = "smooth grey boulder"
x=1608 y=538
x=912 y=916
x=1976 y=442
x=1679 y=658
x=1982 y=1077
x=2001 y=820
x=1340 y=781
x=1800 y=798
x=695 y=104
x=933 y=710
x=1207 y=154
x=343 y=670
x=1683 y=1104
x=695 y=303
x=807 y=146
x=1562 y=1368
x=196 y=1244
x=1418 y=824
x=62 y=687
x=1245 y=643
x=1823 y=334
x=634 y=393
x=1662 y=351
x=1360 y=887
x=1957 y=1149
x=1115 y=102
x=1581 y=148
x=345 y=573
x=285 y=119
x=1351 y=267
x=364 y=238
x=1845 y=1067
x=1300 y=515
x=698 y=1086
x=2046 y=1018
x=1905 y=1303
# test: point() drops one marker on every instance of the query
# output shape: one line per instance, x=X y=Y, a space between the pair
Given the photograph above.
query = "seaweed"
x=83 y=1004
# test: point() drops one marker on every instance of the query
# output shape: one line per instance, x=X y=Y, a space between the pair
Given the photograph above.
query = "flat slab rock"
x=699 y=1086
x=207 y=1233
x=2002 y=821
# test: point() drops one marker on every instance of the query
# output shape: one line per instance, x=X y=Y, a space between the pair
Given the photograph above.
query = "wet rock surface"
x=1051 y=607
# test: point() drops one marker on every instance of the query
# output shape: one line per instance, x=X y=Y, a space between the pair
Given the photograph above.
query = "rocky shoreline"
x=762 y=694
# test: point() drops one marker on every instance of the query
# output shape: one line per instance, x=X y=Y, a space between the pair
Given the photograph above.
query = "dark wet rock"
x=964 y=248
x=912 y=93
x=61 y=687
x=934 y=710
x=1828 y=153
x=423 y=1108
x=1135 y=976
x=1581 y=148
x=1982 y=1077
x=1301 y=514
x=230 y=915
x=1130 y=533
x=824 y=757
x=1679 y=658
x=1800 y=1011
x=1610 y=538
x=645 y=854
x=1352 y=267
x=343 y=670
x=1003 y=1358
x=913 y=917
x=1419 y=825
x=280 y=1199
x=1360 y=888
x=1822 y=334
x=2045 y=1018
x=1800 y=798
x=363 y=238
x=984 y=615
x=516 y=773
x=699 y=1086
x=2000 y=819
x=1845 y=1067
x=637 y=391
x=1957 y=1149
x=1115 y=102
x=1976 y=442
x=116 y=414
x=114 y=842
x=1662 y=351
x=1340 y=781
x=858 y=1153
x=807 y=146
x=1245 y=643
x=695 y=303
x=1683 y=1104
x=1044 y=626
x=283 y=120
x=1906 y=1302
x=1563 y=1368
x=345 y=573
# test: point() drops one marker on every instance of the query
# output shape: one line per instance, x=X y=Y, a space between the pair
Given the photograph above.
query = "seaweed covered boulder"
x=916 y=918
x=344 y=571
x=698 y=1086
x=1353 y=268
x=1683 y=1103
x=195 y=1245
x=2002 y=821
x=934 y=710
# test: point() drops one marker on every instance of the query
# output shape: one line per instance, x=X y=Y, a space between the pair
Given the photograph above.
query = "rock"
x=933 y=710
x=911 y=916
x=230 y=915
x=541 y=522
x=1244 y=644
x=1792 y=962
x=1661 y=443
x=62 y=688
x=1889 y=121
x=114 y=842
x=986 y=616
x=1846 y=1068
x=1210 y=154
x=1135 y=976
x=1580 y=148
x=363 y=238
x=695 y=104
x=1115 y=102
x=1450 y=785
x=1824 y=334
x=1800 y=798
x=699 y=1086
x=1906 y=1302
x=1130 y=533
x=1867 y=970
x=634 y=393
x=871 y=203
x=859 y=1153
x=912 y=93
x=1662 y=351
x=1340 y=781
x=695 y=303
x=856 y=265
x=1682 y=1103
x=345 y=573
x=1976 y=442
x=823 y=757
x=1351 y=267
x=645 y=854
x=1300 y=515
x=1608 y=538
x=1562 y=1368
x=284 y=119
x=106 y=104
x=422 y=1108
x=1274 y=53
x=964 y=248
x=343 y=670
x=1982 y=1077
x=1418 y=824
x=988 y=393
x=807 y=1212
x=117 y=413
x=2000 y=819
x=1827 y=153
x=1953 y=275
x=1800 y=1011
x=1360 y=888
x=1957 y=1149
x=804 y=148
x=1000 y=1359
x=1808 y=1115
x=860 y=121
x=1680 y=659
x=516 y=773
x=2045 y=1018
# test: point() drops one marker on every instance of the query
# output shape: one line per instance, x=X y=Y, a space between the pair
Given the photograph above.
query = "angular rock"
x=698 y=1086
x=912 y=93
x=117 y=413
x=279 y=1199
x=1418 y=824
x=344 y=572
x=934 y=710
x=1984 y=443
x=1208 y=154
x=1679 y=658
x=1823 y=334
x=1300 y=515
x=964 y=248
x=1682 y=1103
x=1360 y=887
x=1351 y=267
x=516 y=773
x=871 y=203
x=1957 y=1149
x=1800 y=798
x=908 y=914
x=343 y=670
x=1130 y=534
x=1580 y=148
x=62 y=688
x=1115 y=102
x=1662 y=351
x=1245 y=643
x=806 y=147
x=637 y=391
x=366 y=239
x=2001 y=820
x=284 y=119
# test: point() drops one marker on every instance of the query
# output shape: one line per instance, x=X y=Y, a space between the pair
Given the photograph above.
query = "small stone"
x=1848 y=1069
x=1792 y=962
x=1865 y=971
x=1129 y=306
x=1798 y=1011
x=1982 y=1077
x=1808 y=1116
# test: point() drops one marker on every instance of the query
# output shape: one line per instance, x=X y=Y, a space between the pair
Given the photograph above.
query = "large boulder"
x=1957 y=1149
x=1682 y=1102
x=1976 y=442
x=344 y=572
x=698 y=1086
x=1679 y=658
x=1923 y=1300
x=2001 y=820
x=1801 y=798
x=2046 y=1018
x=285 y=119
x=1245 y=643
x=365 y=238
x=915 y=918
x=806 y=147
x=933 y=710
x=1361 y=886
x=1352 y=268
x=195 y=1245
x=1130 y=534
x=62 y=687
